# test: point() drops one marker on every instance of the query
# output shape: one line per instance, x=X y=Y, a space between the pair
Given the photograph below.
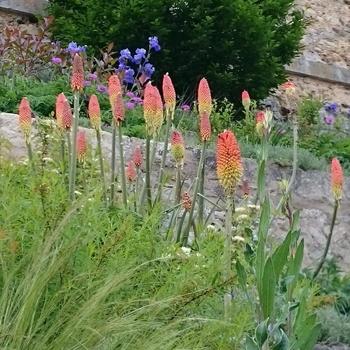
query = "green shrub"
x=236 y=44
x=309 y=111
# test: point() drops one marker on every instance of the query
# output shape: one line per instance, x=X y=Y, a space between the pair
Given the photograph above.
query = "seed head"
x=186 y=201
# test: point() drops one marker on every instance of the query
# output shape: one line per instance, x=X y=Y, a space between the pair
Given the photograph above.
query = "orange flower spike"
x=152 y=109
x=260 y=122
x=25 y=117
x=114 y=89
x=177 y=147
x=118 y=110
x=245 y=100
x=137 y=157
x=337 y=179
x=64 y=115
x=228 y=161
x=77 y=79
x=204 y=97
x=169 y=94
x=204 y=127
x=186 y=201
x=94 y=112
x=289 y=87
x=81 y=145
x=130 y=172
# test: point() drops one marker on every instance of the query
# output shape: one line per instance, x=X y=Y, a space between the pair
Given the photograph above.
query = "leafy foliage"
x=236 y=45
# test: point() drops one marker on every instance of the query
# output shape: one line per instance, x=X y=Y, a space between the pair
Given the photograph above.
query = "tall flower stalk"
x=77 y=85
x=95 y=121
x=186 y=205
x=25 y=123
x=169 y=96
x=153 y=114
x=114 y=89
x=118 y=114
x=229 y=172
x=337 y=181
x=178 y=152
x=205 y=106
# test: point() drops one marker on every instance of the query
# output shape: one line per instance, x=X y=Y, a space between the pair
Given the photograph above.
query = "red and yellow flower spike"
x=152 y=109
x=25 y=118
x=81 y=145
x=245 y=100
x=260 y=122
x=130 y=171
x=94 y=112
x=204 y=127
x=137 y=157
x=228 y=161
x=177 y=147
x=337 y=179
x=64 y=115
x=77 y=79
x=118 y=110
x=204 y=97
x=114 y=89
x=169 y=94
x=186 y=201
x=289 y=87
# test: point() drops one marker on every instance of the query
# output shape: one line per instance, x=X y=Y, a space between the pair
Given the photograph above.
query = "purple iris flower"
x=56 y=60
x=129 y=76
x=102 y=89
x=139 y=56
x=153 y=43
x=148 y=69
x=130 y=94
x=125 y=54
x=137 y=100
x=87 y=82
x=331 y=107
x=74 y=48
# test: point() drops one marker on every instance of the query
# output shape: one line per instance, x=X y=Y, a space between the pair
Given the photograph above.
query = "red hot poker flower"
x=177 y=147
x=152 y=109
x=337 y=178
x=64 y=115
x=130 y=171
x=289 y=87
x=204 y=127
x=245 y=100
x=25 y=117
x=94 y=112
x=118 y=110
x=186 y=201
x=204 y=97
x=77 y=79
x=81 y=145
x=228 y=161
x=114 y=89
x=169 y=94
x=137 y=157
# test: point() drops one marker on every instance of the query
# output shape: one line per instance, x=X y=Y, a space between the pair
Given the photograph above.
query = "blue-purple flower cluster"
x=137 y=64
x=331 y=109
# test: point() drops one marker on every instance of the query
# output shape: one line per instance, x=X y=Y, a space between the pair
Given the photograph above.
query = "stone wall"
x=312 y=194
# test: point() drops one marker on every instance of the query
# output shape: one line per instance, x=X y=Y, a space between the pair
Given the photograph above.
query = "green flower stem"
x=199 y=170
x=30 y=154
x=63 y=154
x=295 y=164
x=73 y=162
x=329 y=238
x=201 y=191
x=227 y=254
x=69 y=145
x=164 y=155
x=122 y=165
x=113 y=162
x=148 y=173
x=178 y=185
x=100 y=156
x=179 y=228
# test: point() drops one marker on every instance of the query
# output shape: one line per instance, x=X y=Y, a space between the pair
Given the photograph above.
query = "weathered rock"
x=311 y=194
